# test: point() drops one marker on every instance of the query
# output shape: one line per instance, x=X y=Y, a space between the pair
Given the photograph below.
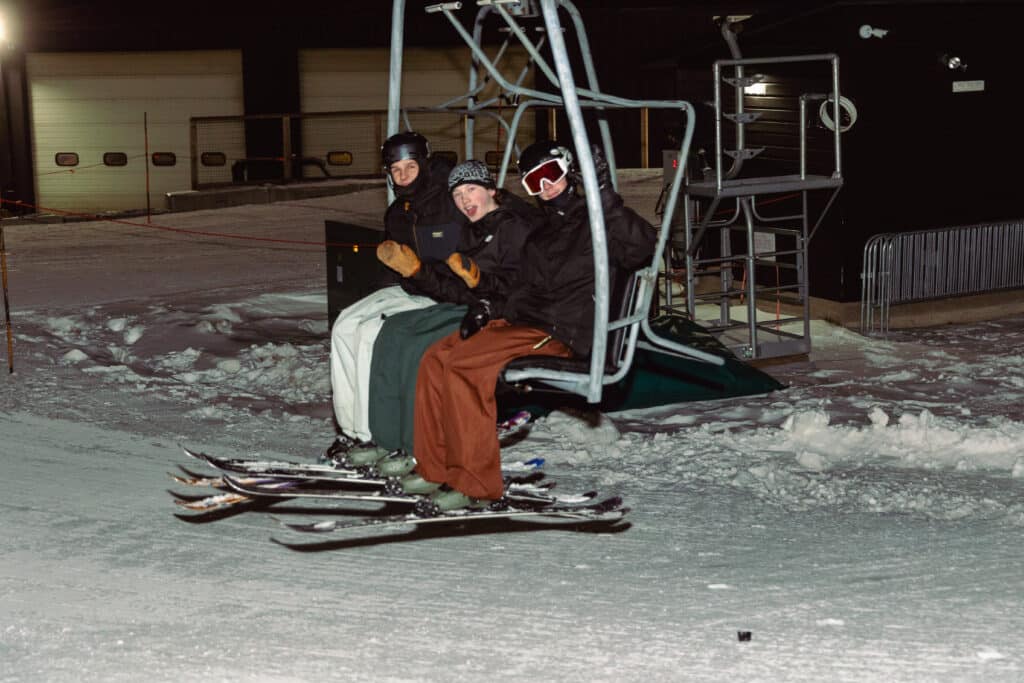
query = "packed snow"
x=863 y=523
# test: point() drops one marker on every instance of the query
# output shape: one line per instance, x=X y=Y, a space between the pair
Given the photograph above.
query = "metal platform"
x=746 y=187
x=756 y=257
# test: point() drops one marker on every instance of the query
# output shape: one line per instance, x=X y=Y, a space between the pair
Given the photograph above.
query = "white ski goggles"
x=543 y=174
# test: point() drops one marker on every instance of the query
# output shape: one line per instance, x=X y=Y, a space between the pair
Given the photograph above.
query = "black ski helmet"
x=541 y=151
x=535 y=168
x=405 y=145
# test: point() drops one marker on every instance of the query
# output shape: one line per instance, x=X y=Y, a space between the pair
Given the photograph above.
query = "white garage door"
x=356 y=80
x=88 y=114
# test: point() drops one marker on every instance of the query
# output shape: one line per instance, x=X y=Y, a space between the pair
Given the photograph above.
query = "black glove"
x=609 y=197
x=478 y=315
x=601 y=169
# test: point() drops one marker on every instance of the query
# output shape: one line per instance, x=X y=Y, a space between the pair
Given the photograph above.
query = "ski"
x=247 y=489
x=519 y=493
x=195 y=479
x=321 y=471
x=514 y=424
x=605 y=511
x=211 y=503
x=330 y=478
x=277 y=468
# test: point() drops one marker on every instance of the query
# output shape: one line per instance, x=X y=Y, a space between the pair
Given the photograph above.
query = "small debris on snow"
x=117 y=324
x=812 y=461
x=230 y=365
x=208 y=413
x=879 y=418
x=133 y=334
x=683 y=419
x=73 y=356
x=62 y=327
x=120 y=355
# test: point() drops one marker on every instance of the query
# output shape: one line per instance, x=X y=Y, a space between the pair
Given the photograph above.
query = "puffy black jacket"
x=496 y=243
x=556 y=287
x=427 y=221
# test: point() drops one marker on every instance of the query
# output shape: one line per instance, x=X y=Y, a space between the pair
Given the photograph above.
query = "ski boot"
x=396 y=464
x=343 y=443
x=447 y=499
x=416 y=485
x=365 y=455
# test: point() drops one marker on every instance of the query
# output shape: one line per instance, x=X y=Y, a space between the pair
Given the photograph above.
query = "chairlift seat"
x=622 y=303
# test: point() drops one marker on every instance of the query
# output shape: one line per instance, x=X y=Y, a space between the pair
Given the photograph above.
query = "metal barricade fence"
x=906 y=267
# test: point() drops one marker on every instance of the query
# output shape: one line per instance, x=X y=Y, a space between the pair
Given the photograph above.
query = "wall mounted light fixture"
x=867 y=31
x=952 y=62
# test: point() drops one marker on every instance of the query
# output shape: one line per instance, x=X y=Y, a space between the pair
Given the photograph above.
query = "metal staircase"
x=726 y=234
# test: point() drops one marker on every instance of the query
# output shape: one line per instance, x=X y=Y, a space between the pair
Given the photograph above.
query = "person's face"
x=404 y=172
x=552 y=190
x=474 y=201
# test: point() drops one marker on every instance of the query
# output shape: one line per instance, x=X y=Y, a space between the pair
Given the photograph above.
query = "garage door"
x=356 y=80
x=91 y=113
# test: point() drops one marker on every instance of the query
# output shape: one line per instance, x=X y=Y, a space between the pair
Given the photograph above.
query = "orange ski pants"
x=455 y=440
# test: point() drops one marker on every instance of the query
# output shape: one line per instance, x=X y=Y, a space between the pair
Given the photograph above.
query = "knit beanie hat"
x=471 y=171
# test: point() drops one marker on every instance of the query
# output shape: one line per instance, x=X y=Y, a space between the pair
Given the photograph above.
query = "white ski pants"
x=352 y=337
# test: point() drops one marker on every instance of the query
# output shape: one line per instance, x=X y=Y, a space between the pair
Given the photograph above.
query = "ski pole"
x=7 y=306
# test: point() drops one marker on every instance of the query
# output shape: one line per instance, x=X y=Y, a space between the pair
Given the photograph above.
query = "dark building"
x=933 y=143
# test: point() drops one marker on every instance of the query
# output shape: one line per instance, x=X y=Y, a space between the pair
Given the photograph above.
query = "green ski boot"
x=449 y=499
x=397 y=464
x=367 y=455
x=415 y=484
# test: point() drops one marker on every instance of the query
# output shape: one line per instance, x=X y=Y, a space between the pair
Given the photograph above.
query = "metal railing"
x=907 y=267
x=346 y=144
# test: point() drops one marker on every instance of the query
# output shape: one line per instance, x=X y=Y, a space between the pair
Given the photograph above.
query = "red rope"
x=186 y=231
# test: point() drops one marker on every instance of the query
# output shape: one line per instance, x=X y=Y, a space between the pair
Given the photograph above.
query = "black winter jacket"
x=495 y=242
x=556 y=287
x=425 y=220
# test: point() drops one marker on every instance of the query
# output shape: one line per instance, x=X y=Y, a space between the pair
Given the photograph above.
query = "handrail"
x=791 y=59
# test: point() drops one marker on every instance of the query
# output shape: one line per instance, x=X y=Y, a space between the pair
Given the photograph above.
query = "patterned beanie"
x=472 y=171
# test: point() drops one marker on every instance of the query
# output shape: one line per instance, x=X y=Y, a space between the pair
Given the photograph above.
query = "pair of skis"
x=244 y=481
x=247 y=480
x=247 y=472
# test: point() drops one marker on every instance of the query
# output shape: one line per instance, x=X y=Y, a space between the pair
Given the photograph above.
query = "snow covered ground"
x=863 y=524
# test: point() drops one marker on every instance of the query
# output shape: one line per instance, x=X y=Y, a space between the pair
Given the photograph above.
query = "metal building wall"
x=357 y=80
x=96 y=103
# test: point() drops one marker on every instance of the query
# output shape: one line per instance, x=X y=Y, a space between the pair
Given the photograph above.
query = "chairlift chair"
x=615 y=341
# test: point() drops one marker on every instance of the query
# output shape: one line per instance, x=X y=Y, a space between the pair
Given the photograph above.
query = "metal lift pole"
x=7 y=306
x=593 y=196
x=395 y=74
